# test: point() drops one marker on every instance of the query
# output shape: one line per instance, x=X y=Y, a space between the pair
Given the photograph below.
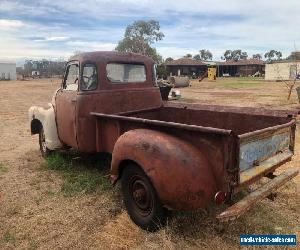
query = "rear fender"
x=180 y=174
x=40 y=117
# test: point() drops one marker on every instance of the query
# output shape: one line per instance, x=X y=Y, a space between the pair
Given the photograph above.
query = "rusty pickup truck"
x=168 y=155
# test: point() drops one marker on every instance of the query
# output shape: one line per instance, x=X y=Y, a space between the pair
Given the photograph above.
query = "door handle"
x=73 y=100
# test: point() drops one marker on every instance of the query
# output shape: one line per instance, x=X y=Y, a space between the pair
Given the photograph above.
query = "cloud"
x=52 y=39
x=6 y=24
x=91 y=46
x=55 y=28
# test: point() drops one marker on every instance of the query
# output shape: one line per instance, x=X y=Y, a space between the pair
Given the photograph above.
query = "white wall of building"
x=281 y=70
x=8 y=71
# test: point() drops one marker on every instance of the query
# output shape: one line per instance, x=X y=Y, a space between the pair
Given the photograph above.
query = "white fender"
x=45 y=117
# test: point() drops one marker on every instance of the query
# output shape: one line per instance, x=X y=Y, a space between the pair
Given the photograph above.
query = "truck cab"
x=104 y=82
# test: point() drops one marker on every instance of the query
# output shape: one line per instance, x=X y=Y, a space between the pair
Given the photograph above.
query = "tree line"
x=44 y=67
x=235 y=55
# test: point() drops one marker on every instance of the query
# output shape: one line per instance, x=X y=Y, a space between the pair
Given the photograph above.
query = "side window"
x=71 y=80
x=89 y=77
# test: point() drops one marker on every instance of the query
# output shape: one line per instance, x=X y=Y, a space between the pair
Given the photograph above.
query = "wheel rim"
x=141 y=196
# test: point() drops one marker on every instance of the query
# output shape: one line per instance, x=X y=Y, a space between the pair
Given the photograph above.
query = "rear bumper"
x=246 y=203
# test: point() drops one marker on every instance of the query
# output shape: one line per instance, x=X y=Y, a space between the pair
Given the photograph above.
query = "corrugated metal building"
x=8 y=71
x=282 y=70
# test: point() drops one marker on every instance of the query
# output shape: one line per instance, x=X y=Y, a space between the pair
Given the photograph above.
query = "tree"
x=234 y=55
x=188 y=55
x=288 y=84
x=197 y=57
x=273 y=55
x=45 y=67
x=169 y=59
x=139 y=37
x=227 y=55
x=75 y=53
x=243 y=56
x=203 y=55
x=294 y=56
x=161 y=71
x=257 y=56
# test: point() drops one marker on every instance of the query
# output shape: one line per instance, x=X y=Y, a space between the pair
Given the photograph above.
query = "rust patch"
x=245 y=204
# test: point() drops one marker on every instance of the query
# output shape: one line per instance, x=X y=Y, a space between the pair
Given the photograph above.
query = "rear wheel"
x=42 y=141
x=141 y=200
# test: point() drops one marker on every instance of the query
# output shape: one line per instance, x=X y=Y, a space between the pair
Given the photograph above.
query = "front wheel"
x=141 y=201
x=42 y=141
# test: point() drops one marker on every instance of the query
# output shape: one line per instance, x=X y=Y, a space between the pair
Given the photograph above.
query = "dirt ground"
x=34 y=214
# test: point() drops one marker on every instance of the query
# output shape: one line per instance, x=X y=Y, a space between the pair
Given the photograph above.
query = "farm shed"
x=282 y=70
x=185 y=66
x=8 y=71
x=245 y=67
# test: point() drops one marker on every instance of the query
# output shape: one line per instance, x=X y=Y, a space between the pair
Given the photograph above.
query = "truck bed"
x=234 y=119
x=241 y=143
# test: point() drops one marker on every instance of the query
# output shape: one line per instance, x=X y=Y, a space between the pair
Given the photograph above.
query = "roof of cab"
x=104 y=56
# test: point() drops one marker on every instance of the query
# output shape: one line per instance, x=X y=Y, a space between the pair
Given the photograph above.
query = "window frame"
x=66 y=75
x=154 y=74
x=123 y=83
x=81 y=76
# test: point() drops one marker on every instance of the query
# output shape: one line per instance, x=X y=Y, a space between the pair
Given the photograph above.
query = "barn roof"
x=185 y=62
x=242 y=62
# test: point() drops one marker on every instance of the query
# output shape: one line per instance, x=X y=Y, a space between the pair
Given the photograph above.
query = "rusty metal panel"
x=248 y=174
x=66 y=116
x=180 y=173
x=165 y=124
x=109 y=102
x=245 y=204
x=252 y=152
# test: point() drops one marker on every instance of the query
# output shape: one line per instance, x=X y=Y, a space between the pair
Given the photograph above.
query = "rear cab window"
x=118 y=73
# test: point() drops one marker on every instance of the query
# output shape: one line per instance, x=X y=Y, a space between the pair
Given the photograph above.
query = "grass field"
x=66 y=201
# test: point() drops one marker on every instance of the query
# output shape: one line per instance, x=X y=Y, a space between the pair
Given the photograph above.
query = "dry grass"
x=36 y=213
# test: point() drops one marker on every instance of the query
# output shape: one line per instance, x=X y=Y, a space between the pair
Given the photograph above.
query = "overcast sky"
x=53 y=29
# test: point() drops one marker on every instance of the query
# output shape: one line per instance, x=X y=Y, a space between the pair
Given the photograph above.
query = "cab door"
x=65 y=101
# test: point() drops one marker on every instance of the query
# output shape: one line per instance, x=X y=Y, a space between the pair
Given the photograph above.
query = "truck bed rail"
x=164 y=123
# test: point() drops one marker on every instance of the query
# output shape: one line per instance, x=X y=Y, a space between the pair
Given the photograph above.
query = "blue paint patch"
x=256 y=151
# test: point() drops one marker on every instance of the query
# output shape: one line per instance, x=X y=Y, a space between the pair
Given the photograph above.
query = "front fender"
x=179 y=172
x=46 y=118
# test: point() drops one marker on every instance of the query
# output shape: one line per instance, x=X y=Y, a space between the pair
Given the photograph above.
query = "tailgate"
x=261 y=151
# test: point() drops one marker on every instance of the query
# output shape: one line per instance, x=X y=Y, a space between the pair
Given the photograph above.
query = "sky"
x=55 y=29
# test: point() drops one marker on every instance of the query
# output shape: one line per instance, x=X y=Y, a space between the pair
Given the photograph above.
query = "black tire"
x=141 y=200
x=43 y=148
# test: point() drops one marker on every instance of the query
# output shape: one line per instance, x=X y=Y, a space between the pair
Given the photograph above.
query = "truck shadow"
x=81 y=173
